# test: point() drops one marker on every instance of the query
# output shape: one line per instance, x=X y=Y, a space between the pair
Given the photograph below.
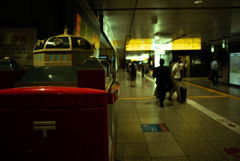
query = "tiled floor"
x=192 y=134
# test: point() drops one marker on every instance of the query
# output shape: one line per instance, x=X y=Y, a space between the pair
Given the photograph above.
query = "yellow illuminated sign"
x=187 y=44
x=179 y=44
x=139 y=45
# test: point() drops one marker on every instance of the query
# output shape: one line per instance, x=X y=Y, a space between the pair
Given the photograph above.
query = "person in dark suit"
x=164 y=81
x=133 y=74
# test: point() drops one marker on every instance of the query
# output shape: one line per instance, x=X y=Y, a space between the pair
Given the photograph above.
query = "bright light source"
x=223 y=44
x=156 y=62
x=156 y=38
x=159 y=52
x=212 y=48
x=198 y=1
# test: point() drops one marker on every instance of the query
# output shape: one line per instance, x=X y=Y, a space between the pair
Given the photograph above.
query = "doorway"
x=186 y=58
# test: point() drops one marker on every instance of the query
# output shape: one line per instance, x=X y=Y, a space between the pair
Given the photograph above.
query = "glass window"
x=50 y=57
x=36 y=57
x=80 y=43
x=64 y=56
x=57 y=57
x=52 y=42
x=40 y=55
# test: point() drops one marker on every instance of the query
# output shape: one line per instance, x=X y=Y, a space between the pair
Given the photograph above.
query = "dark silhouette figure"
x=133 y=74
x=164 y=82
x=214 y=71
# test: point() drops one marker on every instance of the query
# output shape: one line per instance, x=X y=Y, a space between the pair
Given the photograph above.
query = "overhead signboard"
x=179 y=44
x=139 y=45
x=187 y=44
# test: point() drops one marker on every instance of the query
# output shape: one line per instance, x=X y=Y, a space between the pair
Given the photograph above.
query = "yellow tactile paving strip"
x=211 y=90
x=205 y=96
x=137 y=98
x=221 y=94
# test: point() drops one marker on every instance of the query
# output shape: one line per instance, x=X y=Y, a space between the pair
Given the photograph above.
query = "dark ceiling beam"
x=133 y=17
x=168 y=8
x=222 y=38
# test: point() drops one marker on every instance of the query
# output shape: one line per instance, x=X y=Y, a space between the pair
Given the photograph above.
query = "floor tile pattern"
x=192 y=136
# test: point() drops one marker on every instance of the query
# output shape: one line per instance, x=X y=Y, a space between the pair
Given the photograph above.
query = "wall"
x=223 y=65
x=199 y=62
x=48 y=18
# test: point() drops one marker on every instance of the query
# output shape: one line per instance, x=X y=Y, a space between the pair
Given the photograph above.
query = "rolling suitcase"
x=183 y=93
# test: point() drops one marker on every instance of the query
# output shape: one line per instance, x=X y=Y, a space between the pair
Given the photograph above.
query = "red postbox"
x=93 y=74
x=53 y=124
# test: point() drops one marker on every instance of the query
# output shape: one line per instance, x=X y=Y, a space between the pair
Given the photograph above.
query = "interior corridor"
x=205 y=127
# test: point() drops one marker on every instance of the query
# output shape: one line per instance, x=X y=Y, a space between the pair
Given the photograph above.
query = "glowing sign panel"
x=187 y=44
x=179 y=44
x=139 y=44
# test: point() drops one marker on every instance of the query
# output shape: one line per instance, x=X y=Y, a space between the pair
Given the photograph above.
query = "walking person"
x=171 y=64
x=142 y=70
x=181 y=66
x=164 y=82
x=214 y=71
x=133 y=74
x=176 y=79
x=185 y=68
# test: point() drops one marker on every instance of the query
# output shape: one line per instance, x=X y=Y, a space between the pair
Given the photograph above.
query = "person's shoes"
x=161 y=105
x=180 y=100
x=170 y=99
x=133 y=85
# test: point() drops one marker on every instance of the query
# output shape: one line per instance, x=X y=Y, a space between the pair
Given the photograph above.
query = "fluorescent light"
x=198 y=1
x=223 y=44
x=212 y=48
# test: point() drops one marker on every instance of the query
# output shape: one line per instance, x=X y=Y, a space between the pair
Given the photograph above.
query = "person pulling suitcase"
x=176 y=79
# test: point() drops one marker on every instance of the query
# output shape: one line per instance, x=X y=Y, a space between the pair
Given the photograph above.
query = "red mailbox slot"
x=53 y=124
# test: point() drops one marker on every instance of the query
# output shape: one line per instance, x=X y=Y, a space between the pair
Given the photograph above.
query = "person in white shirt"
x=176 y=78
x=214 y=71
x=185 y=68
x=181 y=65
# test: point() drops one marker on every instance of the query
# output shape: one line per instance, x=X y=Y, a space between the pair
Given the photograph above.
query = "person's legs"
x=161 y=95
x=181 y=74
x=178 y=89
x=216 y=81
x=134 y=82
x=173 y=89
x=214 y=77
x=185 y=72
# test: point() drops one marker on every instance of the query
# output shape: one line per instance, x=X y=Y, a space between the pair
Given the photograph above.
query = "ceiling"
x=211 y=20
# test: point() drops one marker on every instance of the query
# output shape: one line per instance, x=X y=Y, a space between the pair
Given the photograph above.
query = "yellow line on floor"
x=197 y=78
x=149 y=98
x=137 y=98
x=212 y=90
x=205 y=96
